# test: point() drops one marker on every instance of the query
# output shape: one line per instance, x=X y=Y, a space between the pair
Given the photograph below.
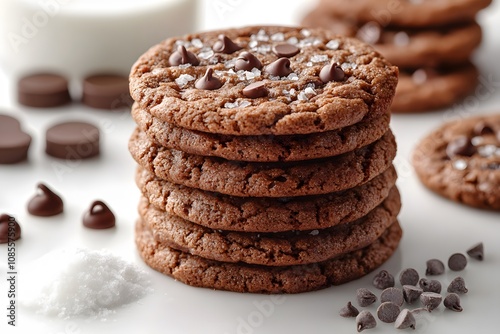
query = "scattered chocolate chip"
x=247 y=62
x=255 y=90
x=45 y=203
x=434 y=267
x=411 y=293
x=226 y=45
x=332 y=72
x=383 y=280
x=477 y=252
x=208 y=81
x=365 y=297
x=365 y=320
x=106 y=91
x=452 y=302
x=457 y=262
x=99 y=216
x=430 y=285
x=482 y=129
x=182 y=57
x=279 y=68
x=409 y=276
x=7 y=234
x=43 y=90
x=348 y=311
x=388 y=312
x=405 y=320
x=394 y=295
x=72 y=141
x=14 y=143
x=460 y=146
x=457 y=286
x=430 y=300
x=285 y=50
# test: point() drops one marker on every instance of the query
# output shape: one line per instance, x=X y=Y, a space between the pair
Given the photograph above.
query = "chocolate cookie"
x=461 y=161
x=246 y=179
x=263 y=148
x=248 y=214
x=197 y=271
x=262 y=81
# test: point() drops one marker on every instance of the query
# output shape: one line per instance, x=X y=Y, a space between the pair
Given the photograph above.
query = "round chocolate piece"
x=182 y=57
x=208 y=81
x=9 y=229
x=14 y=143
x=106 y=91
x=72 y=141
x=247 y=62
x=255 y=90
x=99 y=216
x=285 y=50
x=457 y=262
x=226 y=45
x=45 y=203
x=43 y=90
x=279 y=68
x=460 y=146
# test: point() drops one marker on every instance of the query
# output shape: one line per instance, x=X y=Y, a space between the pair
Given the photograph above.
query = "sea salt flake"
x=183 y=80
x=293 y=76
x=333 y=44
x=253 y=44
x=487 y=150
x=230 y=63
x=183 y=66
x=206 y=53
x=348 y=66
x=278 y=37
x=419 y=77
x=401 y=39
x=293 y=40
x=197 y=43
x=263 y=49
x=309 y=64
x=244 y=104
x=319 y=58
x=314 y=232
x=249 y=75
x=262 y=36
x=460 y=164
x=478 y=140
x=305 y=33
x=302 y=96
x=237 y=104
x=180 y=42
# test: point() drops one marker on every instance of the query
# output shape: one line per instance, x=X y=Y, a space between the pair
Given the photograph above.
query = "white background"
x=433 y=227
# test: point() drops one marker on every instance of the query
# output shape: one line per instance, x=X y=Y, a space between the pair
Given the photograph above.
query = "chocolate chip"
x=365 y=297
x=182 y=57
x=434 y=267
x=99 y=216
x=394 y=295
x=348 y=311
x=430 y=300
x=285 y=50
x=411 y=293
x=247 y=62
x=9 y=229
x=43 y=90
x=255 y=90
x=409 y=276
x=430 y=285
x=106 y=91
x=279 y=68
x=14 y=142
x=458 y=286
x=208 y=81
x=72 y=141
x=477 y=252
x=452 y=302
x=457 y=262
x=225 y=45
x=45 y=203
x=388 y=312
x=460 y=146
x=365 y=320
x=332 y=72
x=405 y=320
x=383 y=280
x=482 y=129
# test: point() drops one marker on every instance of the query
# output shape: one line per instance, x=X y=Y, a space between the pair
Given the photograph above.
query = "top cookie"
x=263 y=80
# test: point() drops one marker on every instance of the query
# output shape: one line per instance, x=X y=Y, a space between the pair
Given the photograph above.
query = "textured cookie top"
x=263 y=80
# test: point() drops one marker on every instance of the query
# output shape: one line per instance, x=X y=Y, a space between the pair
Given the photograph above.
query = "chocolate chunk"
x=365 y=297
x=409 y=276
x=388 y=312
x=279 y=68
x=482 y=129
x=457 y=286
x=434 y=267
x=45 y=203
x=106 y=91
x=14 y=143
x=457 y=262
x=225 y=45
x=182 y=57
x=255 y=90
x=72 y=141
x=405 y=320
x=411 y=293
x=208 y=81
x=460 y=146
x=285 y=50
x=365 y=320
x=332 y=72
x=394 y=295
x=477 y=252
x=452 y=302
x=430 y=285
x=348 y=311
x=430 y=300
x=43 y=90
x=247 y=62
x=383 y=280
x=9 y=229
x=99 y=216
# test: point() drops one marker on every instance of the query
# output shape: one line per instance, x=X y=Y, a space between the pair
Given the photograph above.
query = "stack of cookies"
x=265 y=159
x=431 y=41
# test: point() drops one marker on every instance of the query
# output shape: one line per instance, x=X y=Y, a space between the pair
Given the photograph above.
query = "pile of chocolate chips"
x=428 y=291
